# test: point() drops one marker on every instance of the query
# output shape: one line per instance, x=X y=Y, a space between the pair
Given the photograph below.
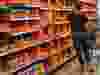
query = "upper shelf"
x=27 y=44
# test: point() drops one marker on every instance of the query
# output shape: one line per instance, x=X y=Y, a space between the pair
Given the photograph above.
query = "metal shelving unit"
x=12 y=50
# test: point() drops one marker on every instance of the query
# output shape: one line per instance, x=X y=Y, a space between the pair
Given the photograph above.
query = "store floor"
x=75 y=68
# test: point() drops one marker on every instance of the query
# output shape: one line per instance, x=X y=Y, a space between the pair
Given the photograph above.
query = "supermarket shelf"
x=54 y=66
x=65 y=9
x=67 y=59
x=26 y=18
x=91 y=17
x=36 y=60
x=34 y=43
x=36 y=18
x=27 y=44
x=21 y=18
x=10 y=51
